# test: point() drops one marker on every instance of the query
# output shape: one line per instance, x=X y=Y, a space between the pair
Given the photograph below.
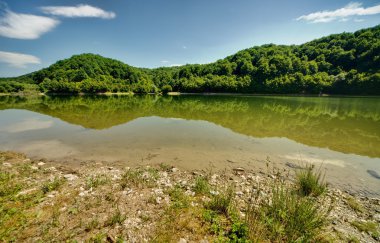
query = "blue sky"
x=153 y=33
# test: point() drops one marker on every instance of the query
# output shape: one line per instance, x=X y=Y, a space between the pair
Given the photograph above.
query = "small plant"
x=165 y=167
x=116 y=218
x=52 y=185
x=139 y=178
x=368 y=227
x=95 y=181
x=179 y=198
x=311 y=182
x=355 y=205
x=222 y=202
x=94 y=223
x=201 y=185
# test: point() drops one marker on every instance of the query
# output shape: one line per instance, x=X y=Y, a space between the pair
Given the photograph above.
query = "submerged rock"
x=374 y=174
x=293 y=166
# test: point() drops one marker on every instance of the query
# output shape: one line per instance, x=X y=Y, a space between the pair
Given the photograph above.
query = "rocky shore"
x=98 y=201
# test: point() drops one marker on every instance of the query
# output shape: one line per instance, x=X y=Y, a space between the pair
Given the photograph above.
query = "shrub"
x=201 y=185
x=311 y=182
x=286 y=217
x=166 y=89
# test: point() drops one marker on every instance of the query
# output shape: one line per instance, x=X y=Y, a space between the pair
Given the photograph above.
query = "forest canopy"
x=347 y=63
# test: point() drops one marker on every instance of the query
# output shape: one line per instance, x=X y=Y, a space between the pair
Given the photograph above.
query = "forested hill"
x=347 y=63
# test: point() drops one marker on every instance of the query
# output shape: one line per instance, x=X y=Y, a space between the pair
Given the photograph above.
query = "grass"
x=178 y=198
x=52 y=185
x=355 y=205
x=96 y=181
x=139 y=178
x=311 y=182
x=222 y=202
x=286 y=216
x=369 y=227
x=201 y=186
x=116 y=218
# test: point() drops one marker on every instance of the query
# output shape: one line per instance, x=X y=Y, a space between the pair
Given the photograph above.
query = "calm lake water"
x=202 y=132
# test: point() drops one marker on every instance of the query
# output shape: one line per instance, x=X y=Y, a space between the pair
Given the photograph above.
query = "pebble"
x=175 y=169
x=41 y=163
x=238 y=170
x=7 y=165
x=182 y=240
x=377 y=217
x=70 y=177
x=34 y=167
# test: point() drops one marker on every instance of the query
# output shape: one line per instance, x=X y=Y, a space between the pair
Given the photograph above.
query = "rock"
x=183 y=183
x=182 y=240
x=70 y=177
x=7 y=165
x=41 y=163
x=126 y=192
x=196 y=173
x=26 y=160
x=52 y=169
x=50 y=195
x=293 y=166
x=239 y=193
x=203 y=241
x=377 y=217
x=214 y=192
x=238 y=170
x=27 y=191
x=158 y=200
x=175 y=169
x=34 y=167
x=158 y=191
x=374 y=174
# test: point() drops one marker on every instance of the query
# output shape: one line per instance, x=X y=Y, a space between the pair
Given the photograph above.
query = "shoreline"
x=194 y=94
x=109 y=201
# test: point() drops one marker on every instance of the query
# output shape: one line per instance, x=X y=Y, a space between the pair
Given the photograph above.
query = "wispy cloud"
x=164 y=61
x=350 y=10
x=25 y=26
x=18 y=60
x=175 y=65
x=81 y=10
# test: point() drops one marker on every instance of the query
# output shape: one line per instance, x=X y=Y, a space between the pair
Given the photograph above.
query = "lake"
x=339 y=134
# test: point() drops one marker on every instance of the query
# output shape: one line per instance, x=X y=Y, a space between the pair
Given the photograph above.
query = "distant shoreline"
x=192 y=94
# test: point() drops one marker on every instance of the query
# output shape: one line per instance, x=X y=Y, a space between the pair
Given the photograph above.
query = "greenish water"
x=200 y=131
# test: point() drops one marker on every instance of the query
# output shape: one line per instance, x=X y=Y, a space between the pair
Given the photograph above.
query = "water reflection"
x=348 y=125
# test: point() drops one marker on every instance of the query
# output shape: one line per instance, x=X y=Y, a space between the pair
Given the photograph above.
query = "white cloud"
x=164 y=61
x=25 y=26
x=352 y=9
x=18 y=60
x=358 y=20
x=175 y=65
x=27 y=125
x=81 y=10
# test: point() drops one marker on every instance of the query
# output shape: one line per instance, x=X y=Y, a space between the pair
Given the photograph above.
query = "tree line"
x=346 y=63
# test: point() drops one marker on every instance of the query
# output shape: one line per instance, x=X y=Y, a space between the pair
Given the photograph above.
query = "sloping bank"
x=100 y=201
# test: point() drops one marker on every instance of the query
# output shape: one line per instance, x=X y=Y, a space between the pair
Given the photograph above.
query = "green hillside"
x=347 y=63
